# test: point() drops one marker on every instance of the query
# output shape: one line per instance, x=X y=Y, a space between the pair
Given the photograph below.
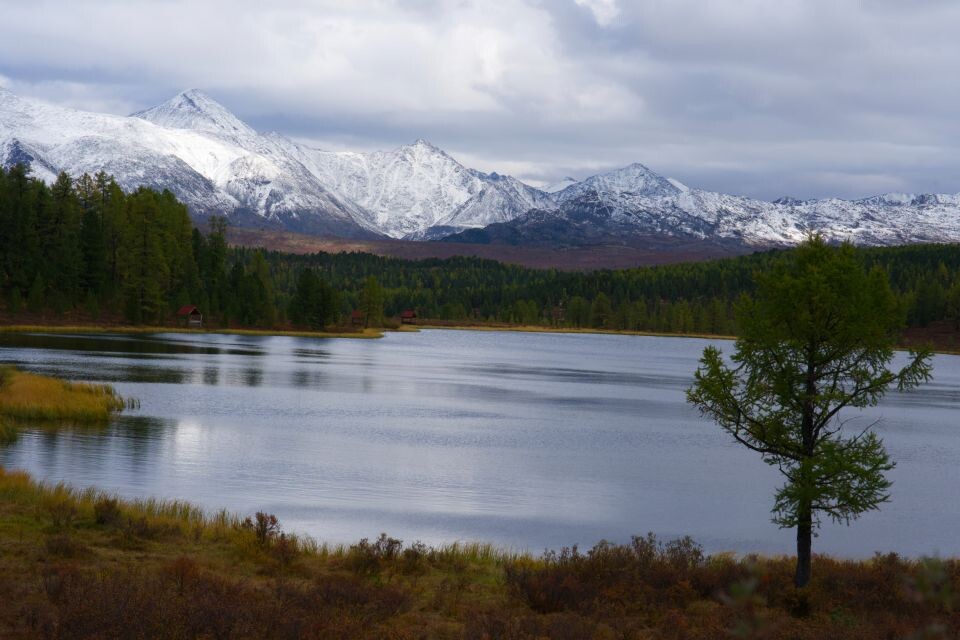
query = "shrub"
x=368 y=558
x=106 y=512
x=61 y=509
x=265 y=527
x=65 y=546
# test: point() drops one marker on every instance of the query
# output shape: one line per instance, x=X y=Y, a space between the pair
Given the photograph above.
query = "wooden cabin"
x=356 y=317
x=408 y=316
x=190 y=316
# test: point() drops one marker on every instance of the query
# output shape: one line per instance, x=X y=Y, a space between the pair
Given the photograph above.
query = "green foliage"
x=371 y=302
x=63 y=246
x=817 y=338
x=14 y=301
x=315 y=303
x=601 y=312
x=37 y=297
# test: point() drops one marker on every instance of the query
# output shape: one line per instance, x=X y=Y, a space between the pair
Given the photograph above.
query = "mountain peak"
x=421 y=143
x=634 y=179
x=194 y=109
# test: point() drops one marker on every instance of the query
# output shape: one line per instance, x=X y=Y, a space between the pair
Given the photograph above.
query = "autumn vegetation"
x=85 y=564
x=51 y=402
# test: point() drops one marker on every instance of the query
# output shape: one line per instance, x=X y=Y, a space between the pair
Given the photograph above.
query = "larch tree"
x=814 y=343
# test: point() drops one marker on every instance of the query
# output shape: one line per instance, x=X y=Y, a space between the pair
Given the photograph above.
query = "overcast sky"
x=808 y=98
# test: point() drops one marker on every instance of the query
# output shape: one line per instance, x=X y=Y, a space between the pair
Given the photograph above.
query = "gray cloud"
x=800 y=97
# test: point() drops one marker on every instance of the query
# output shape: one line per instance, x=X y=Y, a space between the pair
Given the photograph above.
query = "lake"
x=524 y=440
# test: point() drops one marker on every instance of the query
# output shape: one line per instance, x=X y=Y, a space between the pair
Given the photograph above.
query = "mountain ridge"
x=217 y=164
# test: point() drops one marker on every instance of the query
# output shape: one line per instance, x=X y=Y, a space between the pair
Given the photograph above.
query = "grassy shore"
x=77 y=564
x=28 y=328
x=576 y=330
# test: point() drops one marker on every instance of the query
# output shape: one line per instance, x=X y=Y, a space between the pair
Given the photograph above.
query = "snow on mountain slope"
x=13 y=151
x=622 y=186
x=502 y=199
x=215 y=163
x=192 y=109
x=211 y=160
x=417 y=191
x=406 y=190
x=635 y=201
x=559 y=185
x=218 y=164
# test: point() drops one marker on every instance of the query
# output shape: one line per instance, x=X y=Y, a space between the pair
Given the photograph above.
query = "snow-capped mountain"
x=406 y=190
x=634 y=202
x=217 y=164
x=196 y=111
x=191 y=145
x=418 y=191
x=502 y=199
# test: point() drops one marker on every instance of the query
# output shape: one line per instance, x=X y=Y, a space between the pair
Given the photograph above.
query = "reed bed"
x=28 y=396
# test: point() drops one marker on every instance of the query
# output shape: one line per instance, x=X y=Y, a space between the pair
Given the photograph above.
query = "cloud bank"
x=809 y=98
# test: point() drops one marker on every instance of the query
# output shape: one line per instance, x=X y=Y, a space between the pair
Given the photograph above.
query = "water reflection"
x=523 y=440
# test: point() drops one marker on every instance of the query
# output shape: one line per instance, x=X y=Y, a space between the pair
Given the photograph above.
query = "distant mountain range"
x=217 y=164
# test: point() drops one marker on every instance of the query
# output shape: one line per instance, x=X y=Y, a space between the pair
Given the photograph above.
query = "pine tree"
x=816 y=338
x=371 y=303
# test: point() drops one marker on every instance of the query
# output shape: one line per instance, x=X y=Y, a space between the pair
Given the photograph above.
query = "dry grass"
x=28 y=396
x=433 y=324
x=83 y=563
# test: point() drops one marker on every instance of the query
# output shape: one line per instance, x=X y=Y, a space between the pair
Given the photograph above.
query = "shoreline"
x=366 y=334
x=381 y=332
x=86 y=558
x=571 y=330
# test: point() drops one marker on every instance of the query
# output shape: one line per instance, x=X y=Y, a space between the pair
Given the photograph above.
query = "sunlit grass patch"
x=28 y=396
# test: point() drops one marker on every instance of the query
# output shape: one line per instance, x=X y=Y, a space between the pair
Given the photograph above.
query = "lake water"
x=524 y=440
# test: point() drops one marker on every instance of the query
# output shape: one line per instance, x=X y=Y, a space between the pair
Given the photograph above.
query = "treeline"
x=83 y=245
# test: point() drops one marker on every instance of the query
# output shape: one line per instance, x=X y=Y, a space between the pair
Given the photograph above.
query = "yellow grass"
x=586 y=330
x=33 y=397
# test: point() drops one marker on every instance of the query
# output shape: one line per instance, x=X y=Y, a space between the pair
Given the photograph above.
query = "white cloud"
x=807 y=97
x=604 y=11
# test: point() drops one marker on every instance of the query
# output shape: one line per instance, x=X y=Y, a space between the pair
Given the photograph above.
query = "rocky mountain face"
x=631 y=205
x=217 y=164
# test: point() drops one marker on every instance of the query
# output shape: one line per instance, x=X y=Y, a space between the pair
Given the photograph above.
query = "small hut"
x=190 y=316
x=408 y=316
x=356 y=317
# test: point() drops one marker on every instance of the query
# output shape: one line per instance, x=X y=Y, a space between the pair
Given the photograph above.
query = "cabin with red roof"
x=408 y=316
x=356 y=317
x=190 y=316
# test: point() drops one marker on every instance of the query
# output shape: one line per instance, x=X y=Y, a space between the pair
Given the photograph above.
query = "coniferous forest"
x=83 y=245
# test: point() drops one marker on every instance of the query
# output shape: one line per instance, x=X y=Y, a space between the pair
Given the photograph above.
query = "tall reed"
x=30 y=396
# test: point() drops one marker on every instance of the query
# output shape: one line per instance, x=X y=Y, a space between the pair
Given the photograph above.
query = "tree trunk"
x=804 y=545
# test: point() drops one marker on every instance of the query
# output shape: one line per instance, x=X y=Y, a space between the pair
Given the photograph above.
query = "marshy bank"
x=77 y=564
x=47 y=402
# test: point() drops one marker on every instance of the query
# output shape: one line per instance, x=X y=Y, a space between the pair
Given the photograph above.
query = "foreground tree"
x=816 y=339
